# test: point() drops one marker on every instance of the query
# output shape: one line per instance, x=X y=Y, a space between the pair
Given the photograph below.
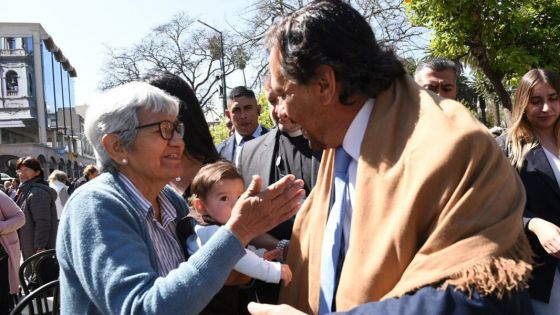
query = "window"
x=27 y=43
x=11 y=83
x=30 y=84
x=11 y=43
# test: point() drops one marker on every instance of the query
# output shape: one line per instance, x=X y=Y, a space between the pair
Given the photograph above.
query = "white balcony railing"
x=13 y=52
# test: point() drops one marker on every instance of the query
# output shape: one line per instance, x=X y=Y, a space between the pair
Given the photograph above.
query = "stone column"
x=39 y=97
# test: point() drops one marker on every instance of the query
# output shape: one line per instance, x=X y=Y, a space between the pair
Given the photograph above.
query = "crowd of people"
x=31 y=208
x=375 y=193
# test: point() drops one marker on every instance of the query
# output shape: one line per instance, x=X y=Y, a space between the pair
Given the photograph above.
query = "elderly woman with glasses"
x=117 y=247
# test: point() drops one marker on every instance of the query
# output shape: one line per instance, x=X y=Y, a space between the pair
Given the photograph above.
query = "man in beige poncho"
x=431 y=221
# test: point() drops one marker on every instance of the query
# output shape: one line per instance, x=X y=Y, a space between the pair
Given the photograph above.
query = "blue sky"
x=82 y=29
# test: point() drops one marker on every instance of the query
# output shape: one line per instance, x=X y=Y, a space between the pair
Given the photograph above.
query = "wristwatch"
x=283 y=245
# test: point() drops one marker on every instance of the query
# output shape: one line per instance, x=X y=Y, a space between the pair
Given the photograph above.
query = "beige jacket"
x=436 y=203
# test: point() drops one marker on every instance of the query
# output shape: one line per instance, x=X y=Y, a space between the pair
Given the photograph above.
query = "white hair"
x=58 y=175
x=116 y=111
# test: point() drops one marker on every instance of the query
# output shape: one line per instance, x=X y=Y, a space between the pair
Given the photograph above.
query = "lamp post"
x=224 y=94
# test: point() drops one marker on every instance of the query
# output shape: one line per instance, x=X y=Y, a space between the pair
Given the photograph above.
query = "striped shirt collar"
x=168 y=212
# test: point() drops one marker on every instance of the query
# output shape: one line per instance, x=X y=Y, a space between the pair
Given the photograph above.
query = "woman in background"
x=13 y=190
x=57 y=181
x=532 y=144
x=37 y=201
x=11 y=219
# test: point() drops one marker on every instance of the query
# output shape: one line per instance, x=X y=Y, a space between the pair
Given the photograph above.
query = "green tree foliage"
x=220 y=131
x=466 y=94
x=264 y=117
x=502 y=39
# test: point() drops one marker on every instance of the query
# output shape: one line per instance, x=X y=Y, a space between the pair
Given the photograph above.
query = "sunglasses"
x=167 y=129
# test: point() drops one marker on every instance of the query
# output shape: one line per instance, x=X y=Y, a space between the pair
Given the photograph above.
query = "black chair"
x=38 y=270
x=37 y=302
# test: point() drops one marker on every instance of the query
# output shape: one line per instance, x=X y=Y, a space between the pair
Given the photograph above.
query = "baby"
x=215 y=189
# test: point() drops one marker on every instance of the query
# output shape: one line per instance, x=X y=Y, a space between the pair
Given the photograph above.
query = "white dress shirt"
x=238 y=139
x=352 y=145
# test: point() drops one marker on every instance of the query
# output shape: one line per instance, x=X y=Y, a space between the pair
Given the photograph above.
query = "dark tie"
x=333 y=240
x=245 y=139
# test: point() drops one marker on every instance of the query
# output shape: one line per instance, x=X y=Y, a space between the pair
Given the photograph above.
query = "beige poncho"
x=436 y=203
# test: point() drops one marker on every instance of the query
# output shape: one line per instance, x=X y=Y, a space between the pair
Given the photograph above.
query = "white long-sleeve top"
x=252 y=264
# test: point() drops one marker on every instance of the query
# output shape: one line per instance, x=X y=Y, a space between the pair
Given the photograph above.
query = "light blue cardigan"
x=107 y=261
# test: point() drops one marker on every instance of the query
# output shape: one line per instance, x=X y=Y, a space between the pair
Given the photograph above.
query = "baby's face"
x=220 y=199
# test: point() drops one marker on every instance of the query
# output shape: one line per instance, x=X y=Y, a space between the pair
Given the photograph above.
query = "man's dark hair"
x=240 y=91
x=331 y=32
x=436 y=64
x=197 y=138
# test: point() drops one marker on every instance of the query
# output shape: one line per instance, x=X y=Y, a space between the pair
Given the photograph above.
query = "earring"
x=124 y=161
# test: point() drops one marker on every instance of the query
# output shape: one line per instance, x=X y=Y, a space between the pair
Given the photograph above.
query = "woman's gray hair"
x=116 y=111
x=58 y=176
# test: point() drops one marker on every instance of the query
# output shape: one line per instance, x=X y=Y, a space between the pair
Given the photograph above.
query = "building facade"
x=37 y=110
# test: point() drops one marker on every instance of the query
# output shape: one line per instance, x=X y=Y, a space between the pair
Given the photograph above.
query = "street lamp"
x=224 y=94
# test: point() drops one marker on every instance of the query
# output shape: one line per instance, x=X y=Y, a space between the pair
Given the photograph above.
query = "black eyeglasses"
x=167 y=129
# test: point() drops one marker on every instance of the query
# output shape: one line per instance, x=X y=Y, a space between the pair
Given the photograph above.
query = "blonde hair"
x=90 y=170
x=521 y=136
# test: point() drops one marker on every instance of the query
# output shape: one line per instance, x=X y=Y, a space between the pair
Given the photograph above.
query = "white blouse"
x=554 y=162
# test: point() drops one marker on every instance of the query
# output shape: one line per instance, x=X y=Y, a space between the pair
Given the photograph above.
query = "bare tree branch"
x=387 y=18
x=179 y=46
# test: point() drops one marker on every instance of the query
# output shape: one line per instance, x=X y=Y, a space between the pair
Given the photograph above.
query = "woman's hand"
x=257 y=212
x=548 y=235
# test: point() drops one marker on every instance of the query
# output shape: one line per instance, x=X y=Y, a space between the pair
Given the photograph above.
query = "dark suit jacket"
x=543 y=201
x=256 y=158
x=226 y=149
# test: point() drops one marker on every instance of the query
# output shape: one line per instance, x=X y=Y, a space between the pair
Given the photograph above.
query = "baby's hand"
x=286 y=274
x=274 y=254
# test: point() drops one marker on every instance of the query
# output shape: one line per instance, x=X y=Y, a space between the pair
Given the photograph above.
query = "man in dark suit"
x=243 y=111
x=281 y=151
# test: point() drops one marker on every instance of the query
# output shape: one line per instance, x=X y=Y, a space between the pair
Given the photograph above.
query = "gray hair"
x=436 y=64
x=116 y=111
x=58 y=175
